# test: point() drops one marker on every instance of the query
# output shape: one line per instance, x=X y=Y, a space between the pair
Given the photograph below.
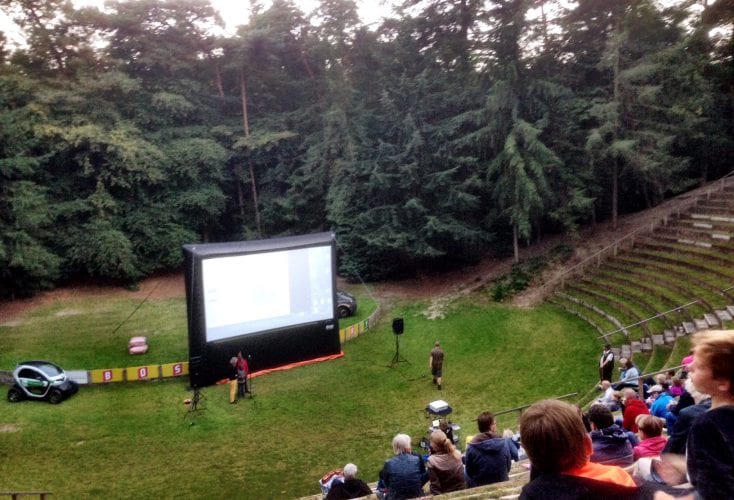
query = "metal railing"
x=523 y=407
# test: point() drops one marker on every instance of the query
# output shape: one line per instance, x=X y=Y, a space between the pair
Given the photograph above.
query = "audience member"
x=554 y=437
x=488 y=456
x=678 y=432
x=676 y=387
x=608 y=399
x=659 y=407
x=709 y=461
x=403 y=475
x=445 y=468
x=632 y=408
x=610 y=443
x=652 y=441
x=630 y=376
x=351 y=487
x=606 y=363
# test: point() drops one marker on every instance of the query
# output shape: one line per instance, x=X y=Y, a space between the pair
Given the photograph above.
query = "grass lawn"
x=137 y=440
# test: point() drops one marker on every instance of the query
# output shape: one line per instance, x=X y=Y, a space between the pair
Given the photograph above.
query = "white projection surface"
x=256 y=292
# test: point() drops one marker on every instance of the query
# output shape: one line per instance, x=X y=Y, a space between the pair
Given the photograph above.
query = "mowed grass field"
x=138 y=440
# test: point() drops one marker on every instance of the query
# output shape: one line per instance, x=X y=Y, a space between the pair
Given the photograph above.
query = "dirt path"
x=440 y=287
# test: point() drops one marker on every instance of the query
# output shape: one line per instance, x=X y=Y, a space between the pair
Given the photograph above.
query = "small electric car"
x=346 y=304
x=41 y=380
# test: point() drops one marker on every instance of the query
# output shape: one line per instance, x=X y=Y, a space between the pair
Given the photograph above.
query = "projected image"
x=264 y=291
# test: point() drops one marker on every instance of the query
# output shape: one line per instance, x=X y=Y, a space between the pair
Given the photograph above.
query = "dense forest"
x=452 y=129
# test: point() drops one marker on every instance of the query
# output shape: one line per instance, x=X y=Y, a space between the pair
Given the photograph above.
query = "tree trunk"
x=250 y=165
x=515 y=245
x=618 y=107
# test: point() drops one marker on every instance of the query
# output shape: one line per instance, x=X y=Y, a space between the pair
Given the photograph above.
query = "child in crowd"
x=650 y=432
x=676 y=387
x=559 y=448
x=709 y=460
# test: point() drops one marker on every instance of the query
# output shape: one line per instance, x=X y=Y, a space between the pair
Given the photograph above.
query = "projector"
x=437 y=406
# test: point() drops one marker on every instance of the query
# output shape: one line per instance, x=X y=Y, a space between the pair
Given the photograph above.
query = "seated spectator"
x=632 y=408
x=630 y=376
x=709 y=460
x=610 y=443
x=447 y=429
x=608 y=399
x=351 y=487
x=652 y=441
x=445 y=468
x=403 y=475
x=676 y=387
x=559 y=448
x=678 y=432
x=488 y=457
x=659 y=407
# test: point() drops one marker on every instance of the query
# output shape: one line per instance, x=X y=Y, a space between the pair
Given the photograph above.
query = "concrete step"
x=658 y=340
x=730 y=310
x=636 y=346
x=701 y=324
x=626 y=351
x=723 y=315
x=689 y=327
x=646 y=344
x=711 y=320
x=669 y=336
x=721 y=236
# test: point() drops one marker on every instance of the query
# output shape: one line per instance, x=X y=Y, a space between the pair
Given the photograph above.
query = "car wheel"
x=14 y=395
x=343 y=311
x=55 y=396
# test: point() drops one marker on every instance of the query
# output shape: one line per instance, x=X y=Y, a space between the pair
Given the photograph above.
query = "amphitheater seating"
x=675 y=279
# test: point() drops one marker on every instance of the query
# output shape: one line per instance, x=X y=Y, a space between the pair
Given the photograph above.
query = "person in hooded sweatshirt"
x=488 y=457
x=610 y=443
x=351 y=487
x=445 y=468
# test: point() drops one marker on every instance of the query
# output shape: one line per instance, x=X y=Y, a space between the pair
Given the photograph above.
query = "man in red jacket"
x=632 y=408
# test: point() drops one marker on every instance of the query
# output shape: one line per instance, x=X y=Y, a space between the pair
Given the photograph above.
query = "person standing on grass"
x=435 y=364
x=242 y=370
x=232 y=376
x=606 y=364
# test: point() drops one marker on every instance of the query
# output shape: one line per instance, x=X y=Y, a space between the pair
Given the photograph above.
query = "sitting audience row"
x=577 y=456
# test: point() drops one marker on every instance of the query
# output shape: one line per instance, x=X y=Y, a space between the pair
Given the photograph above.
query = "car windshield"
x=49 y=369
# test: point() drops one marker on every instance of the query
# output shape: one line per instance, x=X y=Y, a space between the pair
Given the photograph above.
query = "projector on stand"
x=438 y=406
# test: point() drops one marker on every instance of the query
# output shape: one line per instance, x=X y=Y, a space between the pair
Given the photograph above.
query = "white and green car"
x=41 y=380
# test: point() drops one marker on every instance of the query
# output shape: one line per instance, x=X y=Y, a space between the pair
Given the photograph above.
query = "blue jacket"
x=611 y=446
x=488 y=460
x=404 y=476
x=658 y=407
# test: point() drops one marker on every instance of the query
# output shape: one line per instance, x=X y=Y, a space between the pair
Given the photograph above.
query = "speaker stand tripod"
x=397 y=358
x=194 y=406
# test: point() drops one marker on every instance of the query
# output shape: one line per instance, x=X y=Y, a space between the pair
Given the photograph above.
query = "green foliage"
x=428 y=141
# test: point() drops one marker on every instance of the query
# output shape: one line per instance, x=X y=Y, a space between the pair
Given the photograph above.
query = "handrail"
x=520 y=408
x=695 y=195
x=675 y=309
